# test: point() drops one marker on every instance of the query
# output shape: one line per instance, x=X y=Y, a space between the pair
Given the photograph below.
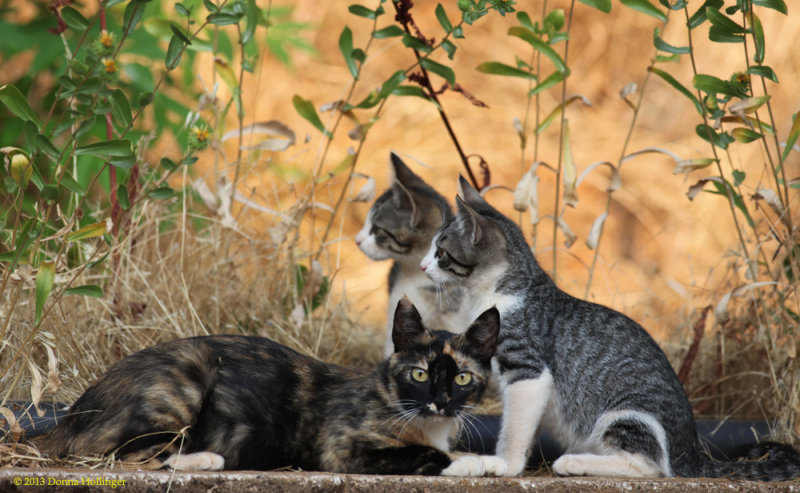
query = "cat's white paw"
x=477 y=465
x=467 y=465
x=495 y=466
x=569 y=465
x=198 y=461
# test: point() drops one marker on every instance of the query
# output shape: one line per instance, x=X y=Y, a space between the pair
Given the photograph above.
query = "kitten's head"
x=475 y=246
x=403 y=220
x=439 y=373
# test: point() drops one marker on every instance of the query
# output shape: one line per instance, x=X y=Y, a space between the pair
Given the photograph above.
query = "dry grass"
x=185 y=271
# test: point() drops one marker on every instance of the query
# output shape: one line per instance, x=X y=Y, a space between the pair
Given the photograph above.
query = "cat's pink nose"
x=422 y=266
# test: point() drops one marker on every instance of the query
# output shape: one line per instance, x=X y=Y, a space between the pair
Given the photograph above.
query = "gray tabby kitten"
x=589 y=375
x=400 y=226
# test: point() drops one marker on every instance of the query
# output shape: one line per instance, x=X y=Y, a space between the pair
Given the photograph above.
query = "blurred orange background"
x=661 y=256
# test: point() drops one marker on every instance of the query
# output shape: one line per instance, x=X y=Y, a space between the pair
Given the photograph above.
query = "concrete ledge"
x=70 y=480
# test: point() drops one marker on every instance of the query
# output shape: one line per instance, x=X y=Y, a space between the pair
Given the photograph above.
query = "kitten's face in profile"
x=467 y=247
x=438 y=374
x=402 y=221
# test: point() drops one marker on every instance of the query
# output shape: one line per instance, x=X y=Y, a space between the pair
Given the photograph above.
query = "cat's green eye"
x=419 y=375
x=463 y=378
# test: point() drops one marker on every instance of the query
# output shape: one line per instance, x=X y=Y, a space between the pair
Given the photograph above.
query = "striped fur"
x=589 y=375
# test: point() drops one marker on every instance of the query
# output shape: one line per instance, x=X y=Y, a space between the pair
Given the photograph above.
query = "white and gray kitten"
x=400 y=226
x=589 y=375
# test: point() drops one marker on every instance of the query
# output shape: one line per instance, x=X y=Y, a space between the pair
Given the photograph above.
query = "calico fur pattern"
x=246 y=402
x=590 y=375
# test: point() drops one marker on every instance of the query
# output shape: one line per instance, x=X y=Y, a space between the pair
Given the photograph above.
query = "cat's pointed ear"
x=402 y=197
x=407 y=325
x=468 y=193
x=473 y=224
x=482 y=334
x=402 y=172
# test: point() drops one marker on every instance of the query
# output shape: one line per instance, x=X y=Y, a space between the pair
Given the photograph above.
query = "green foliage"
x=73 y=173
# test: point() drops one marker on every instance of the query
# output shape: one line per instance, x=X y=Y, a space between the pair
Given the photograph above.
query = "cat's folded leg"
x=198 y=461
x=617 y=464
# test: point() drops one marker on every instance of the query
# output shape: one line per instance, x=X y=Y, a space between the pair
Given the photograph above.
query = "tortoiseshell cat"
x=400 y=226
x=247 y=402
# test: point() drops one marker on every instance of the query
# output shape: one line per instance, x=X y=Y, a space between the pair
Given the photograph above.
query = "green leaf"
x=181 y=9
x=713 y=85
x=745 y=135
x=645 y=7
x=793 y=134
x=738 y=177
x=125 y=161
x=662 y=45
x=497 y=68
x=120 y=109
x=602 y=5
x=306 y=109
x=362 y=11
x=346 y=47
x=161 y=193
x=410 y=91
x=763 y=71
x=44 y=145
x=90 y=231
x=177 y=31
x=50 y=192
x=18 y=105
x=91 y=290
x=551 y=80
x=123 y=197
x=415 y=43
x=133 y=14
x=70 y=184
x=544 y=48
x=723 y=23
x=449 y=48
x=74 y=19
x=388 y=32
x=222 y=19
x=437 y=68
x=708 y=134
x=525 y=20
x=441 y=16
x=680 y=87
x=109 y=148
x=252 y=15
x=758 y=39
x=554 y=20
x=391 y=84
x=700 y=15
x=174 y=52
x=778 y=5
x=45 y=278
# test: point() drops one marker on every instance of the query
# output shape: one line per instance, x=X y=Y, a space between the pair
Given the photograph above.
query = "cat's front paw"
x=198 y=461
x=477 y=465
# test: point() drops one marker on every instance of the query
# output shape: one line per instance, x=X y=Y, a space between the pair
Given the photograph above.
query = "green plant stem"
x=620 y=162
x=731 y=206
x=557 y=208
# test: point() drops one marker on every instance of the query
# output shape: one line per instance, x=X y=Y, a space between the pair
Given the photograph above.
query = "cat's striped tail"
x=767 y=461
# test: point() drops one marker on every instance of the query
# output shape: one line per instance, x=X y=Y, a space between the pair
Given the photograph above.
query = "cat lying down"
x=245 y=402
